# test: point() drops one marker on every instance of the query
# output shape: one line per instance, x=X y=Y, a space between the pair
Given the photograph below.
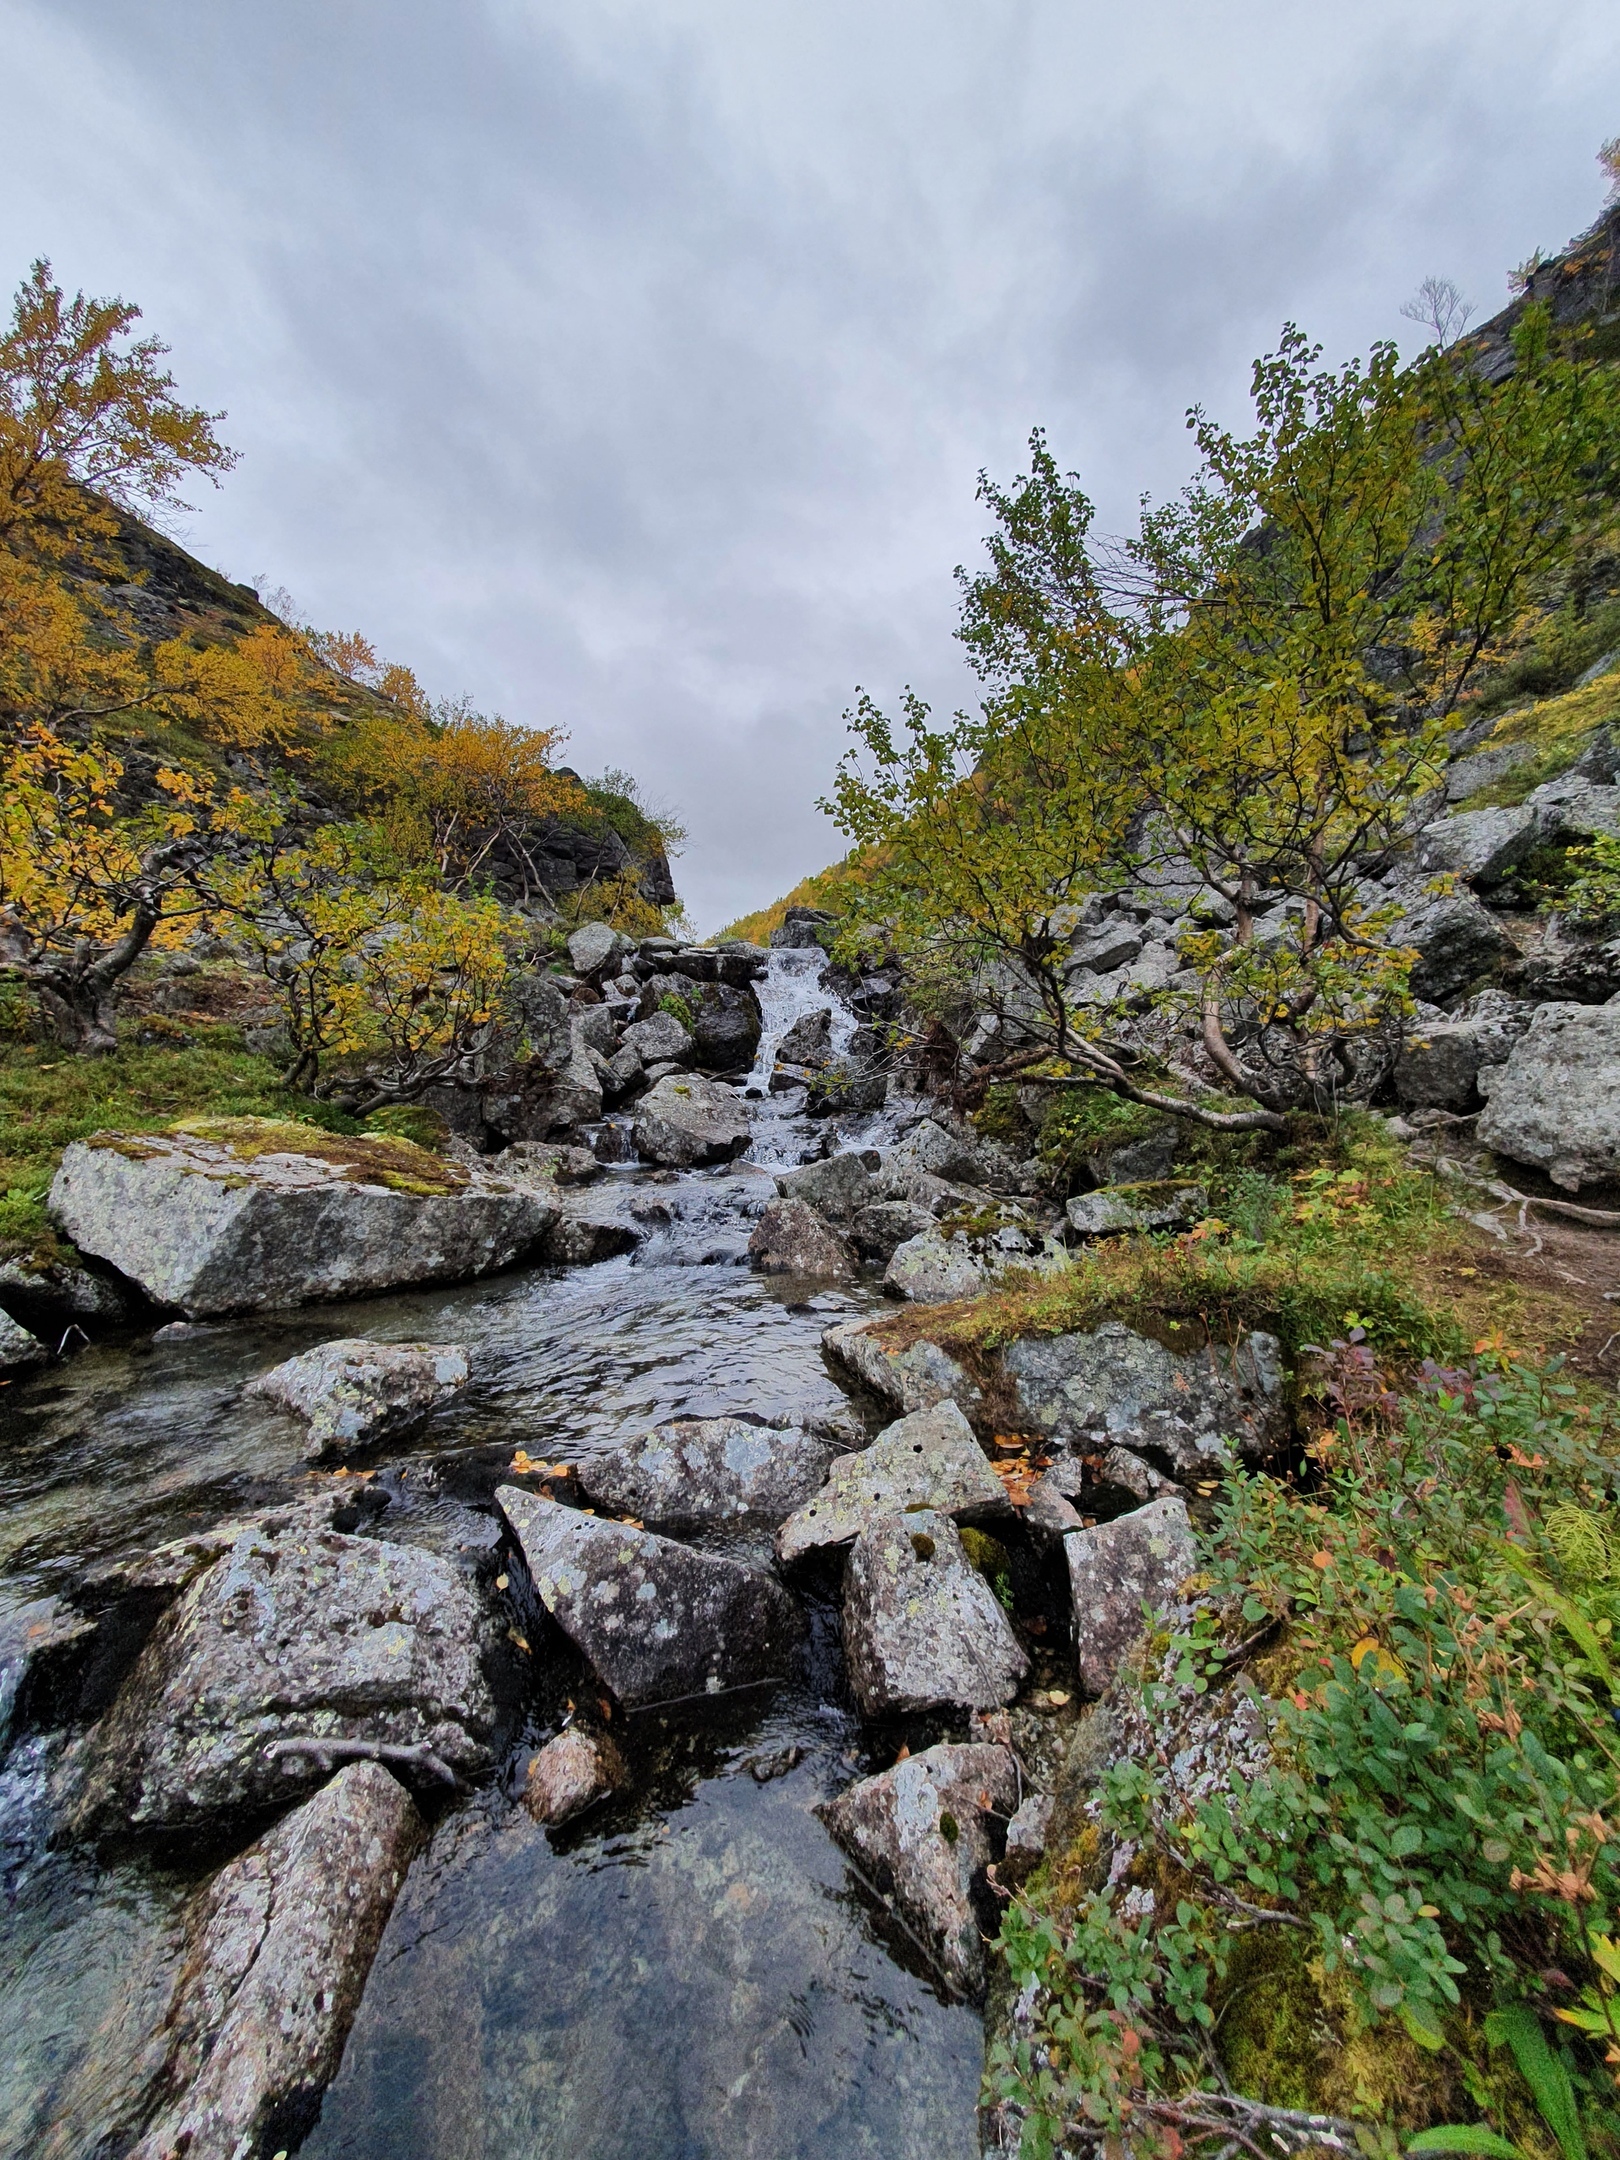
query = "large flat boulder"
x=922 y=1835
x=913 y=1378
x=927 y=1460
x=1111 y=1386
x=1482 y=845
x=242 y=1214
x=277 y=1951
x=657 y=1621
x=1117 y=1568
x=922 y=1628
x=1556 y=1102
x=293 y=1645
x=791 y=1238
x=684 y=1121
x=698 y=1471
x=352 y=1394
x=933 y=1270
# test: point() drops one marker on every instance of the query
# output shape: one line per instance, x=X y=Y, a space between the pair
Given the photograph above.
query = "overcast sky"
x=627 y=364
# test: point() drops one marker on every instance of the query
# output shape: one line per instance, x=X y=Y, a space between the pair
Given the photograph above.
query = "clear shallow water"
x=691 y=1971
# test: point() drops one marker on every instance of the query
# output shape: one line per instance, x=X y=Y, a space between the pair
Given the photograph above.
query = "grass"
x=1558 y=728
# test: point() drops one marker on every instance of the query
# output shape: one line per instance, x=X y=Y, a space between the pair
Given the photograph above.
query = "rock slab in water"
x=292 y=1636
x=234 y=1216
x=656 y=1620
x=1556 y=1102
x=353 y=1393
x=922 y=1628
x=695 y=1471
x=277 y=1952
x=1113 y=1385
x=17 y=1346
x=1113 y=1570
x=927 y=1460
x=685 y=1121
x=932 y=1270
x=914 y=1378
x=921 y=1833
x=790 y=1238
x=570 y=1774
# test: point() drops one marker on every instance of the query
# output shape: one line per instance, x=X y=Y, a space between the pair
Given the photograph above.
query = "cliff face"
x=1580 y=288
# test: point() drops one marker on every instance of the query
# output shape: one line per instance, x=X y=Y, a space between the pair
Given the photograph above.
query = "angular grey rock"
x=1465 y=776
x=39 y=1642
x=809 y=1040
x=1114 y=945
x=1441 y=1061
x=1137 y=1162
x=1119 y=1209
x=686 y=1121
x=1482 y=845
x=839 y=1186
x=278 y=1947
x=570 y=1774
x=1113 y=1570
x=922 y=1834
x=49 y=1300
x=593 y=946
x=933 y=1270
x=291 y=1640
x=1573 y=807
x=1126 y=1472
x=1049 y=1511
x=1026 y=1840
x=928 y=1146
x=879 y=1230
x=621 y=1075
x=574 y=1096
x=592 y=1226
x=725 y=1027
x=927 y=1460
x=17 y=1347
x=1556 y=1101
x=1458 y=940
x=353 y=1393
x=546 y=1162
x=595 y=1028
x=657 y=1621
x=799 y=927
x=698 y=1471
x=922 y=1627
x=912 y=1379
x=200 y=1224
x=790 y=1238
x=660 y=1040
x=1117 y=1386
x=846 y=1086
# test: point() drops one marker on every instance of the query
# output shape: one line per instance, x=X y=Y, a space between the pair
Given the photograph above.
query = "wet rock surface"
x=688 y=1120
x=289 y=1648
x=791 y=1238
x=929 y=1459
x=1116 y=1568
x=698 y=1471
x=657 y=1621
x=17 y=1346
x=570 y=1774
x=278 y=1948
x=352 y=1394
x=921 y=1833
x=922 y=1628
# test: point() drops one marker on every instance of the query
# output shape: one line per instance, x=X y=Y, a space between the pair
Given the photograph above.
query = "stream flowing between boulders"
x=692 y=1967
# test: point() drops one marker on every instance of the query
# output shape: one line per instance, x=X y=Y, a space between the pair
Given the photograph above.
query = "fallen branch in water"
x=391 y=1755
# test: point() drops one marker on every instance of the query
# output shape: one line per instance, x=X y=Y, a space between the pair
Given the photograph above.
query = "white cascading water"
x=794 y=984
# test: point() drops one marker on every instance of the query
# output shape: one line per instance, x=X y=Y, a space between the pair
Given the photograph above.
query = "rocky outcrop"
x=913 y=1378
x=352 y=1394
x=285 y=1655
x=657 y=1621
x=922 y=1628
x=1120 y=1209
x=1114 y=1570
x=688 y=1121
x=933 y=1270
x=241 y=1214
x=790 y=1238
x=1555 y=1103
x=695 y=1472
x=927 y=1460
x=1195 y=1409
x=278 y=1947
x=570 y=1774
x=923 y=1835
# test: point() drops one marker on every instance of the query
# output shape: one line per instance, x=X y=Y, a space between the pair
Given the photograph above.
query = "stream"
x=690 y=1970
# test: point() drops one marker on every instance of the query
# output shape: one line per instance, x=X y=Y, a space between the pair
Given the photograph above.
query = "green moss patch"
x=366 y=1158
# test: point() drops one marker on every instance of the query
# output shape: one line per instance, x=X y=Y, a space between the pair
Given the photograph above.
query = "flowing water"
x=692 y=1970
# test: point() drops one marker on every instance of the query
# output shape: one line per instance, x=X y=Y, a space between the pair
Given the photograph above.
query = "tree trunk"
x=81 y=1012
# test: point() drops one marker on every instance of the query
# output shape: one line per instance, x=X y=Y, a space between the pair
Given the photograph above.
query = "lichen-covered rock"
x=697 y=1471
x=278 y=1948
x=927 y=1460
x=928 y=1146
x=1556 y=1101
x=656 y=1620
x=660 y=1039
x=292 y=1639
x=922 y=1834
x=1441 y=1061
x=1026 y=1840
x=51 y=1299
x=1116 y=1568
x=546 y=1163
x=686 y=1121
x=1120 y=1209
x=242 y=1214
x=837 y=1187
x=1483 y=845
x=922 y=1628
x=1112 y=1385
x=18 y=1347
x=570 y=1774
x=791 y=1238
x=725 y=1026
x=353 y=1393
x=933 y=1270
x=1459 y=942
x=882 y=1228
x=594 y=947
x=914 y=1378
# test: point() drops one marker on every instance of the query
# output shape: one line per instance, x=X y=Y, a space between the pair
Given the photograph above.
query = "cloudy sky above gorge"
x=627 y=364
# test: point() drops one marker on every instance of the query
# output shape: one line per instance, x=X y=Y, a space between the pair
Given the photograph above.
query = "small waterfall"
x=796 y=984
